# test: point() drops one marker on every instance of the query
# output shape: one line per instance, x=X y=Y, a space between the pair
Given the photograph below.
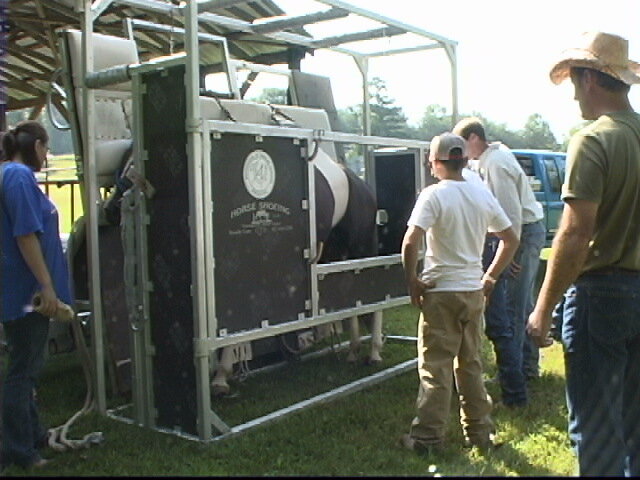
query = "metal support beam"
x=397 y=51
x=453 y=59
x=271 y=26
x=208 y=5
x=386 y=20
x=98 y=7
x=322 y=398
x=381 y=32
x=193 y=126
x=92 y=201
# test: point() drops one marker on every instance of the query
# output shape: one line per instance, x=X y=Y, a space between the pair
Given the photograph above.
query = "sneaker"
x=39 y=463
x=487 y=444
x=408 y=442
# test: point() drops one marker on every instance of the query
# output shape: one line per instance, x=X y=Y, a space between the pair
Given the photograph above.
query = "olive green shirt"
x=603 y=166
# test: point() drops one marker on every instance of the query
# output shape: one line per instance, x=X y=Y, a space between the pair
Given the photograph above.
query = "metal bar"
x=140 y=334
x=256 y=67
x=285 y=327
x=108 y=76
x=358 y=264
x=397 y=51
x=453 y=59
x=209 y=267
x=149 y=6
x=322 y=398
x=156 y=27
x=93 y=199
x=194 y=130
x=204 y=6
x=357 y=36
x=308 y=134
x=242 y=26
x=387 y=21
x=271 y=26
x=98 y=7
x=226 y=58
x=402 y=338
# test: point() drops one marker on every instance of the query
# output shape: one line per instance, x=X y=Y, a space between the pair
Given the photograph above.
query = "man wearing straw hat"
x=596 y=259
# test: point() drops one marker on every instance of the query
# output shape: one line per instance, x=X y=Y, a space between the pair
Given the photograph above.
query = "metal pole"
x=194 y=148
x=453 y=59
x=91 y=189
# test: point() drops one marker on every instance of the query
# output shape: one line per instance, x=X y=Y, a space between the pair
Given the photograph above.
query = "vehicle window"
x=555 y=181
x=527 y=165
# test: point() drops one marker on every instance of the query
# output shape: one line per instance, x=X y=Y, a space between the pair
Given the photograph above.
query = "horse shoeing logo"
x=259 y=174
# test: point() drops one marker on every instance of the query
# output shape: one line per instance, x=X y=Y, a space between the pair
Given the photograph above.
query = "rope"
x=224 y=110
x=57 y=437
x=276 y=113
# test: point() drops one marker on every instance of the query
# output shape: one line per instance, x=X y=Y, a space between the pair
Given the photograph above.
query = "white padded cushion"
x=112 y=105
x=304 y=117
x=108 y=159
x=241 y=110
x=109 y=51
x=313 y=118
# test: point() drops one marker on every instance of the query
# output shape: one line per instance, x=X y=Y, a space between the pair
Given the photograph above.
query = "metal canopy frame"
x=195 y=14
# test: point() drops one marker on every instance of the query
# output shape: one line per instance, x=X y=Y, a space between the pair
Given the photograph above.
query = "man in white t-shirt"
x=453 y=216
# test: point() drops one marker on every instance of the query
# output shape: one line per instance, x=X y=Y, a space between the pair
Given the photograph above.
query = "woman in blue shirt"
x=32 y=262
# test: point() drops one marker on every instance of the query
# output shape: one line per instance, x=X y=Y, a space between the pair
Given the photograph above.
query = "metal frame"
x=197 y=132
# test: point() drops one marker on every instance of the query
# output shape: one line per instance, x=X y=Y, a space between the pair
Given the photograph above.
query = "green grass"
x=351 y=436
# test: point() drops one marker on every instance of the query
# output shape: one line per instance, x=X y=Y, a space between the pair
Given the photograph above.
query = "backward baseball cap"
x=443 y=147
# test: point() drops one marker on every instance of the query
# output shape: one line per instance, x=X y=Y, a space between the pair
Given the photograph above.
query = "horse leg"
x=354 y=343
x=376 y=338
x=219 y=385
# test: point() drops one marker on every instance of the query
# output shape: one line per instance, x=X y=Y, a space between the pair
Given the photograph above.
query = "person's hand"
x=514 y=269
x=488 y=284
x=538 y=328
x=48 y=302
x=417 y=289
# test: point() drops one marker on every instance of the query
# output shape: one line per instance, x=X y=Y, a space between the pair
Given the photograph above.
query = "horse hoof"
x=372 y=361
x=220 y=390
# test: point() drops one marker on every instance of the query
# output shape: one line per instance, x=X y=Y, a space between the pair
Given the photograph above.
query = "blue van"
x=545 y=170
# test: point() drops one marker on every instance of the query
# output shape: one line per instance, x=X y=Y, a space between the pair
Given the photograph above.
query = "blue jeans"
x=26 y=339
x=601 y=336
x=500 y=327
x=520 y=292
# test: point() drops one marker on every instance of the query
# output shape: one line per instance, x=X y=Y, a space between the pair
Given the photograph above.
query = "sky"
x=504 y=53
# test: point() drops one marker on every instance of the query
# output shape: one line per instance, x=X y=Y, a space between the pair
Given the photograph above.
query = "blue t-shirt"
x=26 y=209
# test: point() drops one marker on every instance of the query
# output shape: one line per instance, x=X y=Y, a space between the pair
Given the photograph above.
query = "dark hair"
x=455 y=161
x=470 y=125
x=21 y=140
x=607 y=82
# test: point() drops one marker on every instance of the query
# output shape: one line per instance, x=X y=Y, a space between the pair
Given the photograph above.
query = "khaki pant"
x=449 y=337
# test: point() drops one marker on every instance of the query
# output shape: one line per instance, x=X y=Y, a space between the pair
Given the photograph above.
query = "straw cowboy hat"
x=604 y=52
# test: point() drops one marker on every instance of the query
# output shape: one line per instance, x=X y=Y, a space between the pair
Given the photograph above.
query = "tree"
x=434 y=121
x=538 y=134
x=387 y=120
x=276 y=96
